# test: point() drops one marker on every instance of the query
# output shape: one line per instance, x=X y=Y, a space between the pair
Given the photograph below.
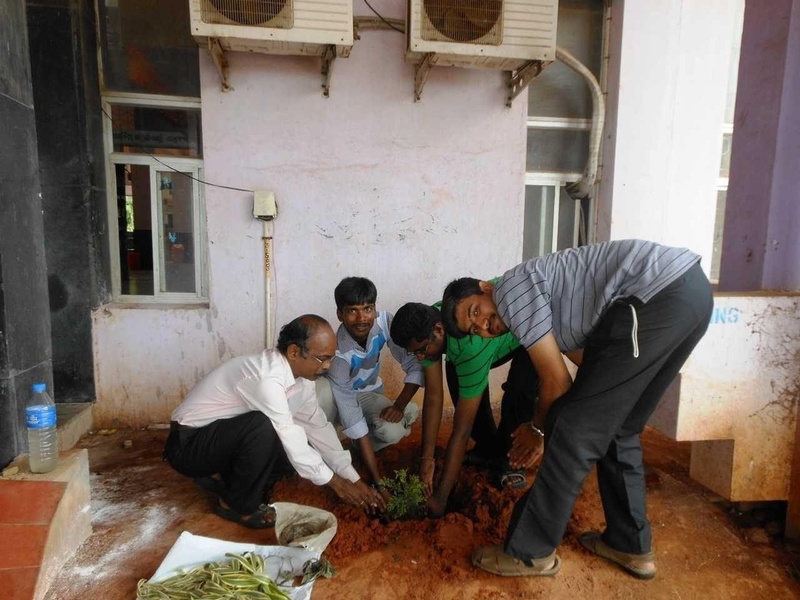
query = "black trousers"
x=598 y=421
x=245 y=451
x=520 y=395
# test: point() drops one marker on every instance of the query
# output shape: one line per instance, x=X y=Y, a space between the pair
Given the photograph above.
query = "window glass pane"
x=719 y=224
x=147 y=47
x=163 y=131
x=539 y=222
x=177 y=221
x=559 y=150
x=558 y=91
x=135 y=229
x=725 y=160
x=537 y=234
x=566 y=221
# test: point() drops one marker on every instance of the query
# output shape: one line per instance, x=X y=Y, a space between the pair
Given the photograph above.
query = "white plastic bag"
x=303 y=526
x=190 y=551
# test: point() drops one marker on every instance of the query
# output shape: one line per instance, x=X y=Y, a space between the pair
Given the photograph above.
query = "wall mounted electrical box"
x=264 y=205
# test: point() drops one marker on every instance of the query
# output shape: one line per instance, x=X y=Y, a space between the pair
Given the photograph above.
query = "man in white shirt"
x=252 y=413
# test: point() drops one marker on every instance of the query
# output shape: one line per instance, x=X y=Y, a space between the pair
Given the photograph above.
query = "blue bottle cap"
x=39 y=387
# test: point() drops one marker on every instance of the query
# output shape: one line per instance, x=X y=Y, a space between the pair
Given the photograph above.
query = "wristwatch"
x=536 y=430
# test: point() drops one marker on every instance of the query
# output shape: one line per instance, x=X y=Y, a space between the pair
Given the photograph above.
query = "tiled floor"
x=26 y=510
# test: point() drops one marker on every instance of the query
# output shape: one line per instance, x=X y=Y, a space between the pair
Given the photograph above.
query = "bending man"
x=418 y=328
x=636 y=309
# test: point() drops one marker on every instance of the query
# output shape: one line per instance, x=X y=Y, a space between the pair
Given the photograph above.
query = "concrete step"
x=61 y=529
x=74 y=421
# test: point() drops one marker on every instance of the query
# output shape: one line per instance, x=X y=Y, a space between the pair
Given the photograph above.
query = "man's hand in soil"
x=427 y=467
x=392 y=414
x=526 y=448
x=359 y=494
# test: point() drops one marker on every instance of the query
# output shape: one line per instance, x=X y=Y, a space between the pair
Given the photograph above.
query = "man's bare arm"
x=464 y=417
x=554 y=378
x=368 y=456
x=432 y=407
x=394 y=413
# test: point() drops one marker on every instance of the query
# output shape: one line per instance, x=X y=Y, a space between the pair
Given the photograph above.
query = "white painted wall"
x=410 y=195
x=368 y=183
x=667 y=82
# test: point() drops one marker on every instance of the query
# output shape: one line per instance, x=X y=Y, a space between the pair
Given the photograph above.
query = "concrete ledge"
x=72 y=522
x=74 y=421
x=737 y=399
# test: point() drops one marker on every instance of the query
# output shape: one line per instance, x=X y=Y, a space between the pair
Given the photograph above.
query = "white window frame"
x=193 y=166
x=560 y=179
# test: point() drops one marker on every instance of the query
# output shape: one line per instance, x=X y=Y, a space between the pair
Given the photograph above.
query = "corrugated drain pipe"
x=584 y=187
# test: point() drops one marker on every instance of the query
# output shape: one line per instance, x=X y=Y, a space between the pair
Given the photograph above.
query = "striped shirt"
x=568 y=292
x=355 y=370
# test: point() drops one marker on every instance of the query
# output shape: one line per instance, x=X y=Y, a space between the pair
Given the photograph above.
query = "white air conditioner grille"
x=274 y=14
x=464 y=21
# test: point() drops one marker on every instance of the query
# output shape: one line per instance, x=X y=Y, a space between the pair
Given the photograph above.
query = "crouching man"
x=252 y=413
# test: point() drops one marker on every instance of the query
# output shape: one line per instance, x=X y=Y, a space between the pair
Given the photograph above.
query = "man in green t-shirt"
x=418 y=328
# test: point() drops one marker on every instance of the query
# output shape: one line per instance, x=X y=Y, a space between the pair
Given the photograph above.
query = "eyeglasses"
x=321 y=361
x=421 y=351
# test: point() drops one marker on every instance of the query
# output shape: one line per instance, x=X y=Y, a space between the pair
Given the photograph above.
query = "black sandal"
x=513 y=478
x=506 y=477
x=263 y=518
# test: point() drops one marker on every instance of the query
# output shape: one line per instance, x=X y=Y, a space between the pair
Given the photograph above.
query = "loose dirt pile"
x=140 y=506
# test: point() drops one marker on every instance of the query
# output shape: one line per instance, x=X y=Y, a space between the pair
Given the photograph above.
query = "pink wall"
x=782 y=263
x=368 y=182
x=760 y=245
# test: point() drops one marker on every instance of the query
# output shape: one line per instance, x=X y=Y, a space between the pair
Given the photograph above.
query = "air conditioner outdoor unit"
x=498 y=34
x=308 y=27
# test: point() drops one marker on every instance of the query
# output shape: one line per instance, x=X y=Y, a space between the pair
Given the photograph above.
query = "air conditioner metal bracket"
x=221 y=62
x=421 y=74
x=519 y=79
x=327 y=66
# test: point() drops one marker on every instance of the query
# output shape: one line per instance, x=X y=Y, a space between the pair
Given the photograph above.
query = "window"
x=559 y=123
x=147 y=48
x=153 y=137
x=155 y=166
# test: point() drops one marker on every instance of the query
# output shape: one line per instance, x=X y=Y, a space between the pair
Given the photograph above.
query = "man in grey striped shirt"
x=629 y=313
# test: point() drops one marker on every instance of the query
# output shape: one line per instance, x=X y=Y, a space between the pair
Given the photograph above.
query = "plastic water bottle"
x=40 y=417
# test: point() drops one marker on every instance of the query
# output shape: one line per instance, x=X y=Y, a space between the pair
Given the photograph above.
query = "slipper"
x=513 y=478
x=592 y=541
x=508 y=478
x=494 y=560
x=263 y=518
x=479 y=461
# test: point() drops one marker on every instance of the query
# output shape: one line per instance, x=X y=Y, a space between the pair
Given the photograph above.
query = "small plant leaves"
x=408 y=496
